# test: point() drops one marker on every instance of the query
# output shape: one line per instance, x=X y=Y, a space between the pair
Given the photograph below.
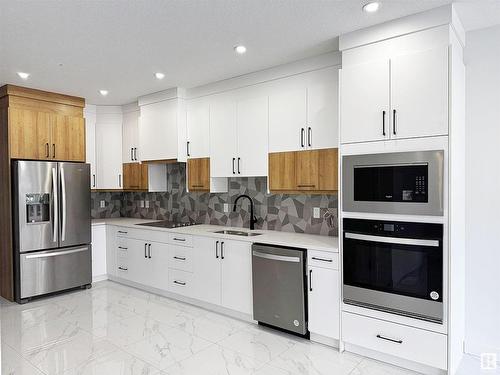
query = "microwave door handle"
x=392 y=240
x=63 y=204
x=55 y=206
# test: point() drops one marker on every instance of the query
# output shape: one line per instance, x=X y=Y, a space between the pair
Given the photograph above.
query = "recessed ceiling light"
x=159 y=75
x=103 y=92
x=240 y=49
x=23 y=75
x=371 y=7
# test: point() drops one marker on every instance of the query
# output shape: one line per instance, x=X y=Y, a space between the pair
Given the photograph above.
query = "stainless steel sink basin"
x=238 y=233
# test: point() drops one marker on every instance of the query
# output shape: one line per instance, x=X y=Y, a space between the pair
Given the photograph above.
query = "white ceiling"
x=80 y=46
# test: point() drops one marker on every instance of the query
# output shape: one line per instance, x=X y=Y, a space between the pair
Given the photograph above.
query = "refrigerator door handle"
x=63 y=204
x=55 y=219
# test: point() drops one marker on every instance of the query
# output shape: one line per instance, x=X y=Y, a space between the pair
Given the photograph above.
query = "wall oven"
x=394 y=266
x=408 y=183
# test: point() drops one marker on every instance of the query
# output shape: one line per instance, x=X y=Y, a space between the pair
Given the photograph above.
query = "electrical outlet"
x=226 y=207
x=147 y=204
x=102 y=204
x=141 y=204
x=316 y=212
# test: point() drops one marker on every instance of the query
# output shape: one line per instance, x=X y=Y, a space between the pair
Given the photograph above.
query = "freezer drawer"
x=278 y=278
x=50 y=271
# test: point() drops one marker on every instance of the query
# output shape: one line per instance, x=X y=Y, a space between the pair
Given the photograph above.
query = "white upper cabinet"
x=252 y=136
x=108 y=141
x=130 y=142
x=364 y=98
x=323 y=109
x=419 y=94
x=158 y=130
x=287 y=118
x=197 y=125
x=303 y=111
x=404 y=96
x=223 y=146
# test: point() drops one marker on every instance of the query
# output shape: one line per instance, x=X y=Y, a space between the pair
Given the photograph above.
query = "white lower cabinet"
x=223 y=273
x=159 y=256
x=413 y=344
x=324 y=308
x=98 y=251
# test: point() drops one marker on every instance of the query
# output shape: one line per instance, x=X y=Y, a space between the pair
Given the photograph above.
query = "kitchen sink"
x=238 y=233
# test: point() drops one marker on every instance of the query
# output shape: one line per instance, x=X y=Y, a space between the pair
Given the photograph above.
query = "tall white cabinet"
x=90 y=115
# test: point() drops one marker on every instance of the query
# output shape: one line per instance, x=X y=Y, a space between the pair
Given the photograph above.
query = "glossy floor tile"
x=114 y=329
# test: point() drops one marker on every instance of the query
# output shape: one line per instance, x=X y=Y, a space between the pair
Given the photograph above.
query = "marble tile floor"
x=114 y=329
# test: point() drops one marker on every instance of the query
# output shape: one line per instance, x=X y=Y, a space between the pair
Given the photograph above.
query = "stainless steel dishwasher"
x=279 y=287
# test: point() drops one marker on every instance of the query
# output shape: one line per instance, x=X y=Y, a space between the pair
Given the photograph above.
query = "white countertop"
x=308 y=241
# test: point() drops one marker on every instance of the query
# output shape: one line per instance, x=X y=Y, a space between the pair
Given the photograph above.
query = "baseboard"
x=396 y=361
x=324 y=340
x=97 y=278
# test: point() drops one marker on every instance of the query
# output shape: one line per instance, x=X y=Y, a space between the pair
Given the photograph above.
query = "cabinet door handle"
x=394 y=121
x=122 y=232
x=53 y=150
x=179 y=282
x=198 y=186
x=310 y=280
x=389 y=339
x=239 y=165
x=47 y=150
x=149 y=251
x=179 y=239
x=123 y=269
x=309 y=136
x=135 y=153
x=145 y=250
x=301 y=137
x=93 y=177
x=119 y=180
x=222 y=250
x=179 y=258
x=131 y=153
x=234 y=159
x=383 y=123
x=187 y=148
x=323 y=259
x=306 y=186
x=217 y=249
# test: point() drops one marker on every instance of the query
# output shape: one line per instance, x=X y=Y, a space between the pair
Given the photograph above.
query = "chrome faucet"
x=253 y=219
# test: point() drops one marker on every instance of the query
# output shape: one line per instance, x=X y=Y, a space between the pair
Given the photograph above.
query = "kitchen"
x=301 y=216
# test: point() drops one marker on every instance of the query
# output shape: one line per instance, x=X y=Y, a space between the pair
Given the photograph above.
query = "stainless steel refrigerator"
x=52 y=227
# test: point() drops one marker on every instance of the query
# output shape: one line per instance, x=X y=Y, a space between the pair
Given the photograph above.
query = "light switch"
x=226 y=207
x=316 y=212
x=147 y=204
x=141 y=204
x=102 y=203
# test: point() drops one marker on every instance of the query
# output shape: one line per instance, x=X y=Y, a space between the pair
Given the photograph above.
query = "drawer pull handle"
x=123 y=269
x=123 y=248
x=122 y=232
x=179 y=239
x=179 y=258
x=306 y=186
x=179 y=282
x=323 y=259
x=389 y=339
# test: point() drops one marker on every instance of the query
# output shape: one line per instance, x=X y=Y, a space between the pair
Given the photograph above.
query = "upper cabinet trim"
x=173 y=93
x=24 y=92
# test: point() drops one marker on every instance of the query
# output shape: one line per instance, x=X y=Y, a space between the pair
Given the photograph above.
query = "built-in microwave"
x=408 y=183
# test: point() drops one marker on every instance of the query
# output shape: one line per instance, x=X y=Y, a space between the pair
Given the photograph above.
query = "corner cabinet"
x=405 y=96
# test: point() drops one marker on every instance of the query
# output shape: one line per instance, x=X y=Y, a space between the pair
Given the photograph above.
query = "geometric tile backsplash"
x=283 y=212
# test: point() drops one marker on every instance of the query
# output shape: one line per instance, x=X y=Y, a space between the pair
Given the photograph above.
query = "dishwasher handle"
x=281 y=258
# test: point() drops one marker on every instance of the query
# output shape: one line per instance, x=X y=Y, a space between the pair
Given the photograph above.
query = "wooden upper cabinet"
x=68 y=138
x=309 y=171
x=199 y=174
x=135 y=176
x=44 y=125
x=29 y=134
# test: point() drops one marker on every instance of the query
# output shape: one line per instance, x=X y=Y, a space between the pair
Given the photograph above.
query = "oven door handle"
x=393 y=240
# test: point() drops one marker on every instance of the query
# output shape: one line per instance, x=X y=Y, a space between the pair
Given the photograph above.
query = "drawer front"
x=143 y=234
x=181 y=258
x=180 y=282
x=181 y=239
x=418 y=345
x=323 y=259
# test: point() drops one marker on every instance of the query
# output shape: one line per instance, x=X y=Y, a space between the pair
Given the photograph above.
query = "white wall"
x=482 y=58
